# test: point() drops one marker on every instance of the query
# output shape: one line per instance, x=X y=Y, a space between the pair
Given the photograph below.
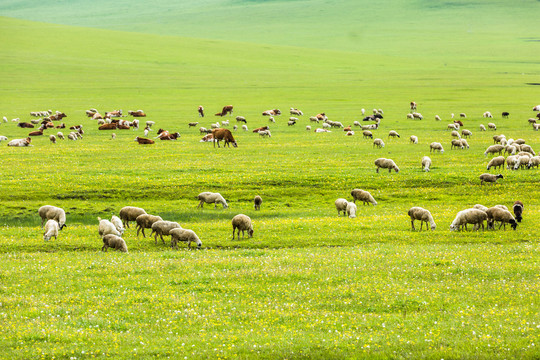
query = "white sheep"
x=60 y=135
x=452 y=127
x=185 y=235
x=271 y=119
x=522 y=161
x=265 y=133
x=386 y=164
x=244 y=127
x=426 y=163
x=341 y=205
x=357 y=123
x=496 y=162
x=437 y=118
x=534 y=162
x=364 y=196
x=466 y=133
x=455 y=143
x=393 y=134
x=465 y=144
x=492 y=126
x=414 y=139
x=527 y=148
x=242 y=223
x=480 y=207
x=455 y=134
x=435 y=146
x=511 y=161
x=50 y=230
x=482 y=127
x=106 y=227
x=49 y=212
x=351 y=209
x=418 y=213
x=487 y=114
x=163 y=228
x=308 y=128
x=52 y=138
x=115 y=220
x=469 y=216
x=114 y=242
x=378 y=143
x=149 y=124
x=211 y=198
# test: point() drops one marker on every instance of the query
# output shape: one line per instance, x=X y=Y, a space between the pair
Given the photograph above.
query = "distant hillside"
x=388 y=27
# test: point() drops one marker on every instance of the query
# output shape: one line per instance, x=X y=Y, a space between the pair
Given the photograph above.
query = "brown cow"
x=144 y=141
x=458 y=122
x=55 y=117
x=25 y=125
x=413 y=105
x=228 y=109
x=271 y=112
x=111 y=126
x=115 y=113
x=261 y=128
x=36 y=133
x=223 y=134
x=321 y=117
x=75 y=127
x=201 y=111
x=97 y=116
x=123 y=127
x=61 y=126
x=138 y=113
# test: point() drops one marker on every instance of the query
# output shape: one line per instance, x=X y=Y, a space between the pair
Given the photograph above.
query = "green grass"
x=309 y=284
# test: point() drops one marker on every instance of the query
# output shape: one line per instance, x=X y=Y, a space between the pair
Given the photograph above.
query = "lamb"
x=518 y=210
x=49 y=212
x=417 y=115
x=50 y=230
x=496 y=162
x=115 y=220
x=492 y=126
x=482 y=127
x=186 y=235
x=469 y=216
x=367 y=134
x=466 y=133
x=52 y=138
x=145 y=221
x=257 y=202
x=378 y=143
x=489 y=178
x=393 y=134
x=456 y=144
x=426 y=163
x=364 y=196
x=163 y=228
x=386 y=164
x=114 y=242
x=211 y=198
x=130 y=213
x=418 y=213
x=242 y=222
x=351 y=209
x=414 y=139
x=504 y=216
x=341 y=205
x=106 y=227
x=493 y=149
x=435 y=146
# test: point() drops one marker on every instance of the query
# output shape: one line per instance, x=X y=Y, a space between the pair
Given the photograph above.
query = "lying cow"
x=20 y=142
x=144 y=141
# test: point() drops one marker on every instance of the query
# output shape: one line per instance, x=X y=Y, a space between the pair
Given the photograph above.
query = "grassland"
x=309 y=284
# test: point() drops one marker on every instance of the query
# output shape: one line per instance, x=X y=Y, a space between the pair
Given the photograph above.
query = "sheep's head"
x=513 y=223
x=250 y=232
x=396 y=168
x=62 y=226
x=433 y=226
x=453 y=227
x=500 y=176
x=235 y=144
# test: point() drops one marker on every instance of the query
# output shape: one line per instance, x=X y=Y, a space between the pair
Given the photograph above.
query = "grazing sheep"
x=163 y=228
x=466 y=133
x=418 y=213
x=505 y=114
x=455 y=134
x=241 y=119
x=364 y=196
x=393 y=134
x=356 y=123
x=435 y=146
x=527 y=148
x=462 y=115
x=426 y=163
x=465 y=144
x=522 y=161
x=115 y=220
x=149 y=124
x=498 y=138
x=452 y=127
x=520 y=141
x=409 y=117
x=185 y=235
x=386 y=164
x=244 y=127
x=264 y=133
x=480 y=207
x=351 y=209
x=145 y=221
x=511 y=161
x=469 y=216
x=487 y=114
x=482 y=127
x=493 y=149
x=456 y=144
x=106 y=227
x=534 y=162
x=242 y=222
x=492 y=126
x=367 y=134
x=60 y=135
x=50 y=230
x=518 y=210
x=503 y=216
x=496 y=162
x=130 y=213
x=437 y=118
x=193 y=124
x=510 y=149
x=211 y=198
x=49 y=212
x=257 y=201
x=489 y=178
x=378 y=143
x=114 y=242
x=308 y=128
x=417 y=115
x=52 y=138
x=341 y=205
x=414 y=139
x=536 y=127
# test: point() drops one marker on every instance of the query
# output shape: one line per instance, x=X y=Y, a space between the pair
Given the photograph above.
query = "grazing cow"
x=138 y=113
x=271 y=112
x=201 y=111
x=111 y=126
x=223 y=134
x=25 y=125
x=505 y=114
x=143 y=141
x=413 y=106
x=228 y=109
x=261 y=129
x=115 y=113
x=20 y=142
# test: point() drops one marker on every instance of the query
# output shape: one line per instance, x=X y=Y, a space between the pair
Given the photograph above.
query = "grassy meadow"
x=309 y=284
